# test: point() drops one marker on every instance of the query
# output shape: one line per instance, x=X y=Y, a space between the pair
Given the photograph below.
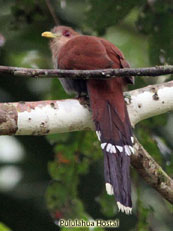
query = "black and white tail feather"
x=116 y=142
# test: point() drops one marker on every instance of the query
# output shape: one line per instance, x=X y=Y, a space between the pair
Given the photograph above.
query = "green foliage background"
x=62 y=174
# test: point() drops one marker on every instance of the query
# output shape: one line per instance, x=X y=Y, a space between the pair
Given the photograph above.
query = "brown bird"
x=73 y=51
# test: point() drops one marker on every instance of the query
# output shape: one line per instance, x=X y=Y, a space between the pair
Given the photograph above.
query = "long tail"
x=115 y=134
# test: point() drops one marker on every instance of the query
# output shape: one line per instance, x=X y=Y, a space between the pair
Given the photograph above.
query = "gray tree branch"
x=86 y=74
x=152 y=172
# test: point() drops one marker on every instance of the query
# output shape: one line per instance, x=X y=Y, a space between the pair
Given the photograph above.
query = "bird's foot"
x=83 y=99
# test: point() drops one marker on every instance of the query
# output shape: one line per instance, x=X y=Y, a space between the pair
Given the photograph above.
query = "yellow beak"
x=49 y=34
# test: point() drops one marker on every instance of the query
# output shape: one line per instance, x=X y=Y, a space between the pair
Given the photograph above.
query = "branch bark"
x=57 y=116
x=86 y=74
x=151 y=172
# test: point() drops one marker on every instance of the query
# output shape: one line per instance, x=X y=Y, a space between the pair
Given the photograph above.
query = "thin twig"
x=87 y=74
x=52 y=12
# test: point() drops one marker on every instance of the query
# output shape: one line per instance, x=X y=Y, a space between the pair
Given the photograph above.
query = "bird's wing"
x=117 y=57
x=84 y=53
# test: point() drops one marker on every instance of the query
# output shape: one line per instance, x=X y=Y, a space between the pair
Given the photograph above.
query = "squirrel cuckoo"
x=73 y=51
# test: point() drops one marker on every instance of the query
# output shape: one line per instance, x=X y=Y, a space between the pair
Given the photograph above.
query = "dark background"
x=45 y=178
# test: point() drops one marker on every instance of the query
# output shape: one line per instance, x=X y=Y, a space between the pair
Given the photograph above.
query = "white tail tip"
x=103 y=145
x=127 y=150
x=124 y=209
x=132 y=139
x=132 y=149
x=109 y=189
x=120 y=148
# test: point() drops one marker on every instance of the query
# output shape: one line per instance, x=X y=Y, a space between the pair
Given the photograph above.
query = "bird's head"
x=59 y=35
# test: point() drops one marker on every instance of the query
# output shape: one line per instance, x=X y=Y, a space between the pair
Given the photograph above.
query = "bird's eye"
x=66 y=33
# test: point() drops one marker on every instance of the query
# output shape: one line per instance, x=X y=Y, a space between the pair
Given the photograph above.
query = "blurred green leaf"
x=156 y=20
x=108 y=205
x=62 y=203
x=115 y=10
x=4 y=227
x=145 y=138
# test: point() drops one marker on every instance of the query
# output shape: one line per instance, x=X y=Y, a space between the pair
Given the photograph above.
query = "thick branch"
x=57 y=116
x=150 y=101
x=44 y=117
x=94 y=74
x=151 y=172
